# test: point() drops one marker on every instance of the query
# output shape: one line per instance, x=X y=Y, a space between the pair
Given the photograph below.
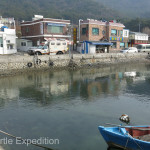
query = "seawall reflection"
x=45 y=88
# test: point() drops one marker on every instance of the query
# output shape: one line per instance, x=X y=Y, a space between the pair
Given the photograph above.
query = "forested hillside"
x=67 y=9
x=135 y=11
x=130 y=8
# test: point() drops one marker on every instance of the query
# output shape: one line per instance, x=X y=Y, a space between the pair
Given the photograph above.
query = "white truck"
x=53 y=47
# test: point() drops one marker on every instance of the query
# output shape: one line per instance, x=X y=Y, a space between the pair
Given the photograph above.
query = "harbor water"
x=68 y=106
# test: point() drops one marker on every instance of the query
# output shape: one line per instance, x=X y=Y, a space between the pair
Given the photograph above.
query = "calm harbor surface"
x=70 y=105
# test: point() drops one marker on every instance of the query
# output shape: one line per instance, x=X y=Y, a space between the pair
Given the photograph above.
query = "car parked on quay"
x=143 y=47
x=130 y=50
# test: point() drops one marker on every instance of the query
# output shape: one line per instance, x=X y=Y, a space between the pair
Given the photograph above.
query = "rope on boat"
x=19 y=138
x=127 y=142
x=133 y=140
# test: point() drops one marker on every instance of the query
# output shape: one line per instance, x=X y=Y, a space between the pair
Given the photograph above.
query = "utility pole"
x=139 y=27
x=79 y=28
x=70 y=39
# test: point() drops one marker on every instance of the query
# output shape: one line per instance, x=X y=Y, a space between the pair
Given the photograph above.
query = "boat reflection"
x=114 y=148
x=130 y=74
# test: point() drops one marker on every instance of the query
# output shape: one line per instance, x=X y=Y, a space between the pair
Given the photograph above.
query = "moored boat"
x=127 y=137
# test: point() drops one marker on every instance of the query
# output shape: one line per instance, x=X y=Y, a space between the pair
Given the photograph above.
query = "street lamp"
x=79 y=27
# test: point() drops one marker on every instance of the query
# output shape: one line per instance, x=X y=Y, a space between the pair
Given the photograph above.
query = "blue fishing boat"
x=127 y=137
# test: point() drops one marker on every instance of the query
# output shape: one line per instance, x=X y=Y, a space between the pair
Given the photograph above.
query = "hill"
x=66 y=9
x=130 y=8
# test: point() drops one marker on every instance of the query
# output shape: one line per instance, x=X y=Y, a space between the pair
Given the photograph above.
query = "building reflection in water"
x=45 y=88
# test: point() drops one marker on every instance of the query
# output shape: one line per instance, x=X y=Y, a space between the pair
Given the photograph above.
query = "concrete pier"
x=21 y=63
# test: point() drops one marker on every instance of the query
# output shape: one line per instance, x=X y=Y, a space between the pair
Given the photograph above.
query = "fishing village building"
x=137 y=38
x=7 y=36
x=103 y=31
x=42 y=29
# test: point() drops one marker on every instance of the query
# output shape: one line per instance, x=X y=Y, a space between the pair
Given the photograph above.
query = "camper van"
x=53 y=47
x=143 y=47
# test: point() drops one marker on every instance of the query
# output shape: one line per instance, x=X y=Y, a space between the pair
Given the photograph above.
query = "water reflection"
x=114 y=148
x=49 y=86
x=70 y=105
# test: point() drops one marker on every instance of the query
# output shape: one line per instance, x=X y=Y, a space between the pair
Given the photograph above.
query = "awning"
x=100 y=43
x=50 y=39
x=56 y=24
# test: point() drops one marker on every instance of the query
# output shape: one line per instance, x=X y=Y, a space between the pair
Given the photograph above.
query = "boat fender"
x=29 y=64
x=38 y=61
x=51 y=63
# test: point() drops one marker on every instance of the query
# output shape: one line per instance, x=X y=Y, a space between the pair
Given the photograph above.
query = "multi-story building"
x=7 y=36
x=115 y=34
x=41 y=29
x=94 y=30
x=136 y=38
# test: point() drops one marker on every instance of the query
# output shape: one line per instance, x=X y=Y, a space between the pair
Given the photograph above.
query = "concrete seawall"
x=16 y=63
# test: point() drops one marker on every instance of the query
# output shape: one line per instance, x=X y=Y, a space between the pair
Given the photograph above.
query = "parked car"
x=129 y=50
x=143 y=47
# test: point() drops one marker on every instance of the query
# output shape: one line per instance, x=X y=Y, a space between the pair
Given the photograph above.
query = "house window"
x=122 y=45
x=27 y=29
x=126 y=33
x=103 y=32
x=121 y=33
x=23 y=43
x=118 y=33
x=1 y=42
x=114 y=45
x=113 y=32
x=52 y=43
x=54 y=29
x=95 y=31
x=83 y=31
x=10 y=46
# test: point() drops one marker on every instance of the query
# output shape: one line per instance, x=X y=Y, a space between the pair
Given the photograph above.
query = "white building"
x=138 y=38
x=8 y=41
x=24 y=45
x=7 y=36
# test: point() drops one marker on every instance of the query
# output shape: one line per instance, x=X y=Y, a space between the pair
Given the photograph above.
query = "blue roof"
x=102 y=43
x=99 y=43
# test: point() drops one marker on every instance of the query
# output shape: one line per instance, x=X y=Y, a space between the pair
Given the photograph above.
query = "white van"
x=53 y=47
x=143 y=47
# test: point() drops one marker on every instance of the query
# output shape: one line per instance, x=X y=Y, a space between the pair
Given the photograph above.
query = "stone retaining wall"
x=17 y=62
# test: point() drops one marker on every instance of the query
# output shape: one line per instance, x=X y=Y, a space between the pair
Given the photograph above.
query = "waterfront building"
x=110 y=31
x=23 y=44
x=136 y=38
x=7 y=36
x=125 y=43
x=42 y=29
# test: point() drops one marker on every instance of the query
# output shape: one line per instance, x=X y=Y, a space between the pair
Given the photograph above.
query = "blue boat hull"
x=118 y=137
